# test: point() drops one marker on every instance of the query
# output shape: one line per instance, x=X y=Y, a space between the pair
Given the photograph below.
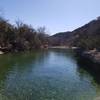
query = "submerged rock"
x=1 y=52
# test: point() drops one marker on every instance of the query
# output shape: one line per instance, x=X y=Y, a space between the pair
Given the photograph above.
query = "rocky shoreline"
x=91 y=55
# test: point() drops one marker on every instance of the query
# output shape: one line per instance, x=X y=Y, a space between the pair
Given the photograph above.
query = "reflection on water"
x=45 y=75
x=90 y=67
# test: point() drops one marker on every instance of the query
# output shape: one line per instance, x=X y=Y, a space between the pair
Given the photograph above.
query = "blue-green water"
x=45 y=75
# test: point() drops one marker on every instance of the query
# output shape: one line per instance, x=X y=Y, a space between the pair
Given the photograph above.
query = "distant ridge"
x=73 y=38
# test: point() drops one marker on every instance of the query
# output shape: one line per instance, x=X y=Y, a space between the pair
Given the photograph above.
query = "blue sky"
x=55 y=15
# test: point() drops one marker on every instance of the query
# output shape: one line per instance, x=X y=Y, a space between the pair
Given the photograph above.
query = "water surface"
x=45 y=75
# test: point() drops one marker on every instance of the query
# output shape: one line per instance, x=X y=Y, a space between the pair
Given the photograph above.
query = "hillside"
x=61 y=38
x=87 y=36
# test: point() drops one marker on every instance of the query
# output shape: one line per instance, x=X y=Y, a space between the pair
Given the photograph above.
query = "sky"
x=55 y=15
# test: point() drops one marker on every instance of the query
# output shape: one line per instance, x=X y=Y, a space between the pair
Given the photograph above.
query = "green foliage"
x=88 y=41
